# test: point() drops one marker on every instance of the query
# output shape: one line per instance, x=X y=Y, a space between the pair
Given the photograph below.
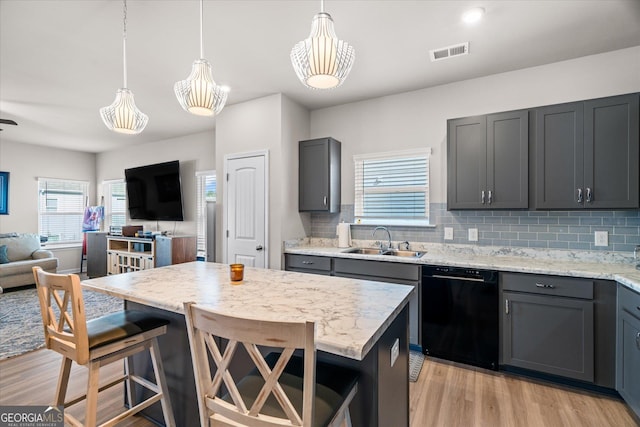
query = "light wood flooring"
x=446 y=395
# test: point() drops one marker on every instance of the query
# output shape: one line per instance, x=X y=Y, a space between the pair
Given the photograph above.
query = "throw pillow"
x=4 y=259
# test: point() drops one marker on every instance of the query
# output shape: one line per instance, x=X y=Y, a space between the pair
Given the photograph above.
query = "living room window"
x=115 y=203
x=61 y=208
x=206 y=194
x=392 y=188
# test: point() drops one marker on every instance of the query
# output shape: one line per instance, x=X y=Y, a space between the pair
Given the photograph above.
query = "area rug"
x=416 y=359
x=21 y=322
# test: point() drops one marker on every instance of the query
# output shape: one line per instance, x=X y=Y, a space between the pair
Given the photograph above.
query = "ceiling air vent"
x=449 y=52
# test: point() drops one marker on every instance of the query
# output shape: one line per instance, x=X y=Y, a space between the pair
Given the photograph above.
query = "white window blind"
x=115 y=203
x=61 y=206
x=206 y=192
x=392 y=188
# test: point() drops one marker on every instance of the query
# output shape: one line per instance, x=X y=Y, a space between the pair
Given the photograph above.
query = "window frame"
x=359 y=191
x=42 y=215
x=107 y=201
x=201 y=210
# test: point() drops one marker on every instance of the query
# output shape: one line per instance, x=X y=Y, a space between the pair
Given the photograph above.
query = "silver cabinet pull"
x=638 y=340
x=482 y=196
x=307 y=262
x=324 y=200
x=544 y=285
x=506 y=306
x=579 y=195
x=589 y=195
x=259 y=248
x=490 y=196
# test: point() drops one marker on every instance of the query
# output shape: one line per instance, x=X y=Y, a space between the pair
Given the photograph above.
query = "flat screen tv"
x=154 y=192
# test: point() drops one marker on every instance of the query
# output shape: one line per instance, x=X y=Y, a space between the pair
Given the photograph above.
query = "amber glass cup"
x=237 y=272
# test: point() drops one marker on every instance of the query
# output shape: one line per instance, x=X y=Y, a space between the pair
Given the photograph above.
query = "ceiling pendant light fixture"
x=123 y=116
x=322 y=61
x=199 y=94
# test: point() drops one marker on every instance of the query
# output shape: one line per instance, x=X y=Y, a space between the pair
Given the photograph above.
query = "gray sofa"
x=22 y=252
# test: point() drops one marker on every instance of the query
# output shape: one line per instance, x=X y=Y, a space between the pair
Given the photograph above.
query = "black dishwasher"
x=460 y=315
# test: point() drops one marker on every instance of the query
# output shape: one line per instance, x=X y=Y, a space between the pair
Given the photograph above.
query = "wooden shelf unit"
x=125 y=254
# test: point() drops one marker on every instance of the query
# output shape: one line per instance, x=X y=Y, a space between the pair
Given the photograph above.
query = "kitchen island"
x=357 y=324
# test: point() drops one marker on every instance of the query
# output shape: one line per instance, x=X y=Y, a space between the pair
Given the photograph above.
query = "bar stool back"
x=284 y=389
x=96 y=343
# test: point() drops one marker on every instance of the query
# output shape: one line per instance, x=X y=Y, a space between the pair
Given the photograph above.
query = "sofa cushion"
x=21 y=247
x=18 y=267
x=3 y=254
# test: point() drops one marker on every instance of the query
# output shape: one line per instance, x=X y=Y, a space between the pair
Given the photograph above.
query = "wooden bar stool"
x=96 y=343
x=283 y=389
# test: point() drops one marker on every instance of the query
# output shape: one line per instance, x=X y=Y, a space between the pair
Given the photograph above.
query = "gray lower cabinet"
x=628 y=363
x=587 y=154
x=319 y=175
x=405 y=274
x=488 y=161
x=548 y=325
x=308 y=264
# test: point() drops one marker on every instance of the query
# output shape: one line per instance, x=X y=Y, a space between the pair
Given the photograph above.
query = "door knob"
x=259 y=248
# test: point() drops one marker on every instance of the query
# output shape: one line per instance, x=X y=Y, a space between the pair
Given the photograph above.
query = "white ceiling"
x=61 y=60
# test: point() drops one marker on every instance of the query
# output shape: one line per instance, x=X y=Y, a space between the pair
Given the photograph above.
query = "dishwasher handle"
x=466 y=279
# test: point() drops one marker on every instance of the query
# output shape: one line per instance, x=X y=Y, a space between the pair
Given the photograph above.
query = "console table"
x=127 y=254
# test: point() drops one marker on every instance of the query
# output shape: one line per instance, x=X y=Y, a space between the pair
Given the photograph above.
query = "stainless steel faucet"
x=382 y=248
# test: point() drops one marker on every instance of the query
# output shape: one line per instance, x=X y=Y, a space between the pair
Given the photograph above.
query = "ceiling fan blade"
x=8 y=122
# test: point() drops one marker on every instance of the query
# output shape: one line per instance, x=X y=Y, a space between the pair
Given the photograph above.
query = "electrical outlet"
x=395 y=351
x=448 y=233
x=601 y=238
x=473 y=234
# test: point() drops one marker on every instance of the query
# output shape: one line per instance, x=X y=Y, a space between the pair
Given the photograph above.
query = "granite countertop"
x=592 y=265
x=350 y=315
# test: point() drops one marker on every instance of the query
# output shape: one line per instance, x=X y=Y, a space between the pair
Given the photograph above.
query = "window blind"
x=206 y=192
x=115 y=203
x=392 y=188
x=61 y=206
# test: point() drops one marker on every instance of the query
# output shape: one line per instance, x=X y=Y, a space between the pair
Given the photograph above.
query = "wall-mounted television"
x=154 y=192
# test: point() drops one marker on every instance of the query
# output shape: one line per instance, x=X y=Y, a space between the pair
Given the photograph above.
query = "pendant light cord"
x=201 y=42
x=321 y=6
x=124 y=42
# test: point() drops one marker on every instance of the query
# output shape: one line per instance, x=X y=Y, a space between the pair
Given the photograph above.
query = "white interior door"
x=246 y=210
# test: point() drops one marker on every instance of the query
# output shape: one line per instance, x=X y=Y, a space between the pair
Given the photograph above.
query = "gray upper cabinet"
x=319 y=175
x=488 y=161
x=587 y=154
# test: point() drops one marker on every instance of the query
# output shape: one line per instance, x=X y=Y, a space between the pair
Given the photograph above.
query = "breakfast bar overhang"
x=359 y=324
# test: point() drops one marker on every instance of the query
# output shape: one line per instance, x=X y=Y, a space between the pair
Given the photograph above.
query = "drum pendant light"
x=322 y=61
x=123 y=116
x=199 y=94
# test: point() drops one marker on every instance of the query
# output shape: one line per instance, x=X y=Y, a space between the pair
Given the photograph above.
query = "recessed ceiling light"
x=472 y=16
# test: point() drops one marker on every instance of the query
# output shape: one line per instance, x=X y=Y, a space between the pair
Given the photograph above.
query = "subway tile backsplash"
x=533 y=229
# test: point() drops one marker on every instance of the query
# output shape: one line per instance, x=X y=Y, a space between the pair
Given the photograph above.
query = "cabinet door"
x=508 y=160
x=466 y=162
x=611 y=153
x=319 y=175
x=559 y=156
x=628 y=384
x=548 y=334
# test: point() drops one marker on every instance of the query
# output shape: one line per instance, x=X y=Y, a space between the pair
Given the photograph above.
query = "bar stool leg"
x=158 y=368
x=131 y=391
x=92 y=394
x=63 y=381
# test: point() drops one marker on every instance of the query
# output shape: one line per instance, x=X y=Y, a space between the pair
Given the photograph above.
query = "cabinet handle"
x=589 y=198
x=482 y=196
x=544 y=285
x=638 y=340
x=307 y=262
x=579 y=195
x=324 y=200
x=506 y=306
x=490 y=196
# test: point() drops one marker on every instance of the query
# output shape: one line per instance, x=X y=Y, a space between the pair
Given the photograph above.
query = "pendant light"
x=199 y=94
x=123 y=116
x=322 y=61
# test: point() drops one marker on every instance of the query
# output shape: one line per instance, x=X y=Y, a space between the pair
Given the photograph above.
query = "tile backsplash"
x=529 y=229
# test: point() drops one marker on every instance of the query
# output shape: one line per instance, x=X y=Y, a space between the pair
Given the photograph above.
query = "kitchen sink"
x=389 y=252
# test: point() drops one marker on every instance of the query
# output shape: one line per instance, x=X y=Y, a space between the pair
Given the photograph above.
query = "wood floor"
x=446 y=395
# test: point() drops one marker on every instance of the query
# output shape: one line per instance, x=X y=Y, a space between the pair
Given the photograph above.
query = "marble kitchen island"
x=357 y=324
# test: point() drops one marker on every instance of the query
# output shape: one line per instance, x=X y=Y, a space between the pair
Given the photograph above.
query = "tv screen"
x=154 y=193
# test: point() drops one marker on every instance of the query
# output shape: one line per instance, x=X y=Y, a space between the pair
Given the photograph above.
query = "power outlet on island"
x=601 y=238
x=473 y=234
